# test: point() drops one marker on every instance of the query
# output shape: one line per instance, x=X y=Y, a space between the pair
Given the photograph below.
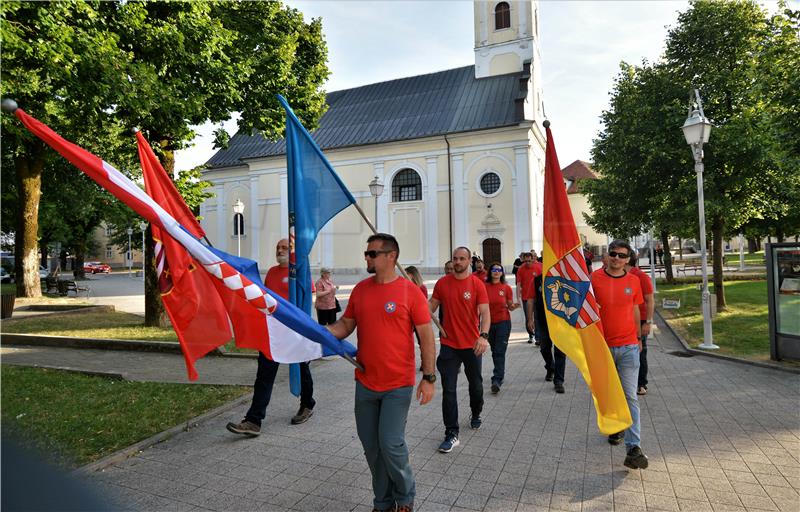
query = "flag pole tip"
x=134 y=130
x=546 y=123
x=9 y=105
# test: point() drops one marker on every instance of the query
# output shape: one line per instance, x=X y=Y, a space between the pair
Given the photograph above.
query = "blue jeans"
x=498 y=340
x=643 y=362
x=265 y=380
x=626 y=359
x=381 y=426
x=525 y=311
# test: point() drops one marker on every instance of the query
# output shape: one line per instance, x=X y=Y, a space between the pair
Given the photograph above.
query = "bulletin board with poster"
x=783 y=285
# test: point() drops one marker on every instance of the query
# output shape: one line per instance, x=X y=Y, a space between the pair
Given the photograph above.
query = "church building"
x=460 y=153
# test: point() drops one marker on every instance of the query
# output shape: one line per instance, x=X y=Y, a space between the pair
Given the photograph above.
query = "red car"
x=95 y=267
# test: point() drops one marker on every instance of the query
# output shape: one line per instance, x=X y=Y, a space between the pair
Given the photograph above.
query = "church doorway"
x=491 y=250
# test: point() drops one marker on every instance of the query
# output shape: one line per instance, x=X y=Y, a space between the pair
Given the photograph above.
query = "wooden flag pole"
x=399 y=267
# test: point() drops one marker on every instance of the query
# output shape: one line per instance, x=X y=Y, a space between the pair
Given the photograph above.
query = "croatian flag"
x=292 y=335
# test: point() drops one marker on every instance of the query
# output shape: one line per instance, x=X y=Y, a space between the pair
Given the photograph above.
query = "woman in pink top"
x=326 y=298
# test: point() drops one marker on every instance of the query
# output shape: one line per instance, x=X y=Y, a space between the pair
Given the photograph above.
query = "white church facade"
x=460 y=153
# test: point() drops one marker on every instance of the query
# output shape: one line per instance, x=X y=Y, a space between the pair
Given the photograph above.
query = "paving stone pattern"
x=719 y=435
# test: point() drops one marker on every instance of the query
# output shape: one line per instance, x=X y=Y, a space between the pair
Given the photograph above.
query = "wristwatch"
x=431 y=377
x=484 y=335
x=648 y=321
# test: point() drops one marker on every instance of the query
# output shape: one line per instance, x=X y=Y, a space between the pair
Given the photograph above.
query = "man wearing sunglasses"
x=619 y=294
x=466 y=306
x=386 y=310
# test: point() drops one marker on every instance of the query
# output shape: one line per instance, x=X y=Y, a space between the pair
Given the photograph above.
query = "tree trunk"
x=28 y=167
x=752 y=246
x=680 y=249
x=154 y=313
x=80 y=257
x=717 y=228
x=43 y=243
x=667 y=258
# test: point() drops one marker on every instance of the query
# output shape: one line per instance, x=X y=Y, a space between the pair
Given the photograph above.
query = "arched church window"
x=406 y=186
x=502 y=16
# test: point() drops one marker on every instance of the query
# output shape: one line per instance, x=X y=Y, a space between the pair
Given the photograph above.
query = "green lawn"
x=741 y=330
x=115 y=326
x=76 y=419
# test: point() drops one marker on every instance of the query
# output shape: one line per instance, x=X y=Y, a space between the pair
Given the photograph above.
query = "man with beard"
x=465 y=300
x=387 y=309
x=277 y=280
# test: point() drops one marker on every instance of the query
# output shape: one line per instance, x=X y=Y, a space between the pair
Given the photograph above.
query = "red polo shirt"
x=616 y=297
x=460 y=299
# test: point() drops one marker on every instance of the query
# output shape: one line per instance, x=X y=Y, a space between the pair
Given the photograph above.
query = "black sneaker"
x=615 y=439
x=537 y=343
x=549 y=376
x=245 y=428
x=530 y=339
x=495 y=389
x=636 y=459
x=559 y=388
x=450 y=442
x=302 y=416
x=475 y=423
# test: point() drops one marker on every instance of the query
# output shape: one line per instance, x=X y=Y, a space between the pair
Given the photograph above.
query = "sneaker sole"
x=442 y=450
x=248 y=433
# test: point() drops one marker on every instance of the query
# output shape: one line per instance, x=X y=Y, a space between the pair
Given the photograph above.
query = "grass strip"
x=742 y=330
x=114 y=326
x=77 y=418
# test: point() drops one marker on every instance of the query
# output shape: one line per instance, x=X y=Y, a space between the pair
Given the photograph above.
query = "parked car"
x=5 y=277
x=95 y=267
x=43 y=272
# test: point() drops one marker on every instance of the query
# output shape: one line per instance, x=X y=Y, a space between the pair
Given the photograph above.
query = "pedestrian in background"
x=326 y=298
x=501 y=303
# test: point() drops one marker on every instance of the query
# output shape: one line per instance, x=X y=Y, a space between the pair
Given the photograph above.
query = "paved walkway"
x=720 y=436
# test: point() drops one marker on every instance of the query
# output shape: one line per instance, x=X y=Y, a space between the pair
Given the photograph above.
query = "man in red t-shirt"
x=386 y=309
x=480 y=270
x=619 y=294
x=526 y=273
x=466 y=306
x=277 y=280
x=646 y=311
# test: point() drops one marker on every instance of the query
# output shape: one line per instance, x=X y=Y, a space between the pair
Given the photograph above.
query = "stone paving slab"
x=719 y=435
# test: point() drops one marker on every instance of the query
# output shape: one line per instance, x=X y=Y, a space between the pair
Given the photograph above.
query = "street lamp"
x=238 y=224
x=143 y=228
x=696 y=130
x=376 y=189
x=130 y=254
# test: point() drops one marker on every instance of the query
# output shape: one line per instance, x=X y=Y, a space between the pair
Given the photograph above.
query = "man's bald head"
x=282 y=252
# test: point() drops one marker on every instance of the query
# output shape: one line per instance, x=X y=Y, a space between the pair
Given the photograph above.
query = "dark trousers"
x=643 y=362
x=554 y=359
x=262 y=389
x=498 y=340
x=449 y=364
x=326 y=316
x=525 y=310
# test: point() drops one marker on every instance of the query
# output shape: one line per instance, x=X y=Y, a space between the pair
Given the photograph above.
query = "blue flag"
x=316 y=195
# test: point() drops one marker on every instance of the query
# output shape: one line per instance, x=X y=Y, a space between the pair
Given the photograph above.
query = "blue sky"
x=583 y=43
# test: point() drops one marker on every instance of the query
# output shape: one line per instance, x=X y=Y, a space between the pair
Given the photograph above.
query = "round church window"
x=490 y=183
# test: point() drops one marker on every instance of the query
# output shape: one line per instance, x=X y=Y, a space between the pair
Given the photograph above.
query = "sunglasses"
x=497 y=269
x=374 y=254
x=620 y=255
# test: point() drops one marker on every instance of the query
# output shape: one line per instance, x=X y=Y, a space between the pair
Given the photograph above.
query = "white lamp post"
x=741 y=252
x=238 y=224
x=697 y=130
x=376 y=189
x=130 y=254
x=143 y=228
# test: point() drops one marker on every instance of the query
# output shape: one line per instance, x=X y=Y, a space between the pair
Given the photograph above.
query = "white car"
x=5 y=277
x=43 y=272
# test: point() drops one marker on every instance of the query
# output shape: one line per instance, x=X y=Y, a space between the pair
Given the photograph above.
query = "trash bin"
x=7 y=306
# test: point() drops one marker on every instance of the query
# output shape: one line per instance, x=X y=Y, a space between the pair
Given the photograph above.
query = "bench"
x=659 y=269
x=69 y=285
x=51 y=284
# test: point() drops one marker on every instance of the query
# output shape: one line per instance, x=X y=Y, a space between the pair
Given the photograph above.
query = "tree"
x=59 y=63
x=249 y=51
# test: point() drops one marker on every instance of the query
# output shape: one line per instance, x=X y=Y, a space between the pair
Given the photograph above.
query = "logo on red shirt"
x=502 y=293
x=390 y=307
x=467 y=295
x=628 y=291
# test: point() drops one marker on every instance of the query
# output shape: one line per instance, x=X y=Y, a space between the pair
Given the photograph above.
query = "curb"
x=731 y=359
x=51 y=310
x=91 y=373
x=131 y=450
x=71 y=342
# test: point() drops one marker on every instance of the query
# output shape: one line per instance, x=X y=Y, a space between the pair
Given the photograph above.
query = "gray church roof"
x=439 y=103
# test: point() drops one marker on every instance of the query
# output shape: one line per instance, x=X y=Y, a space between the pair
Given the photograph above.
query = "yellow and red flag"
x=573 y=317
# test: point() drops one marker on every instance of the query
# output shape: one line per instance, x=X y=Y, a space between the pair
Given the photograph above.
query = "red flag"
x=191 y=299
